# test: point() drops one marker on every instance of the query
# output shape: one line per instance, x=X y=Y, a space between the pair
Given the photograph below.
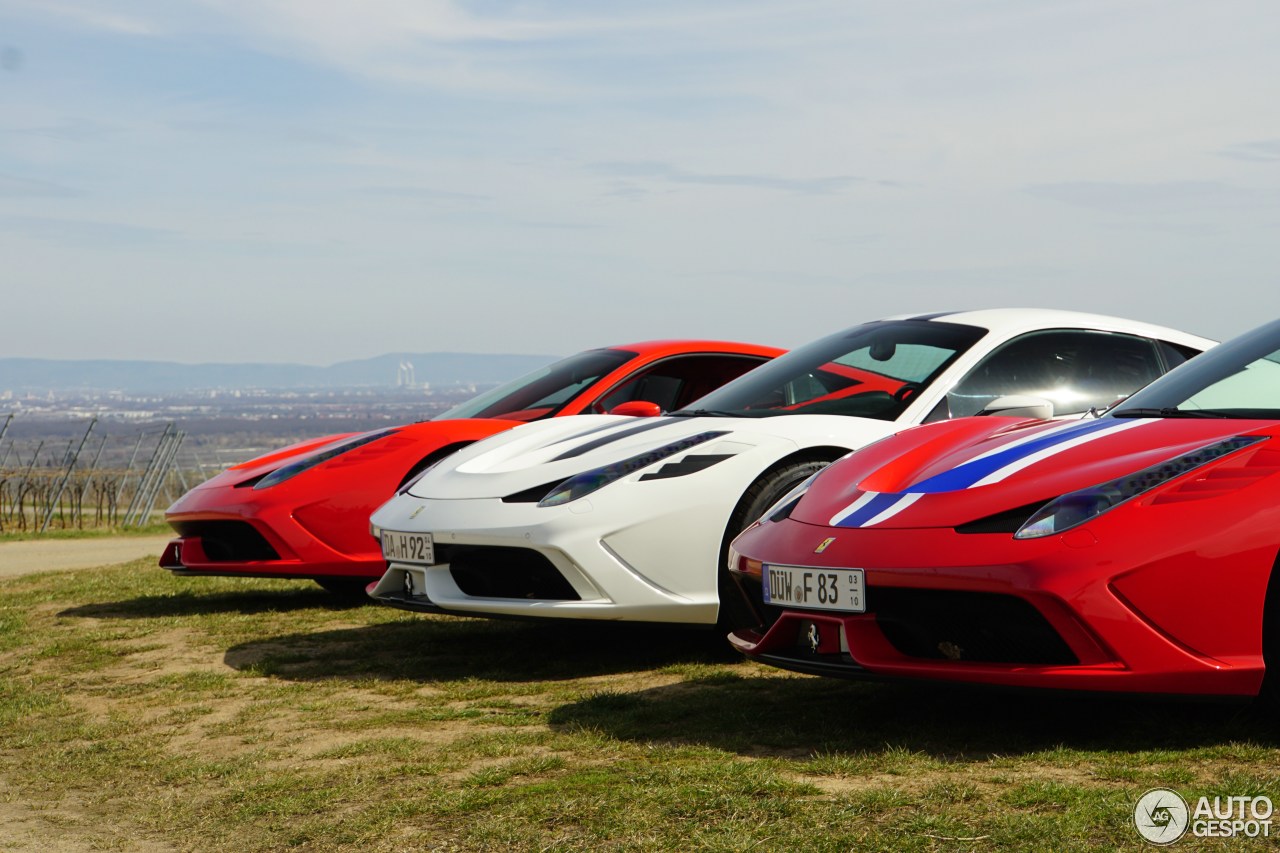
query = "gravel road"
x=51 y=555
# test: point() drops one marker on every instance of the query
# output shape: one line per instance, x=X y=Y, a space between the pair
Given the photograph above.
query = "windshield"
x=545 y=391
x=1238 y=379
x=870 y=371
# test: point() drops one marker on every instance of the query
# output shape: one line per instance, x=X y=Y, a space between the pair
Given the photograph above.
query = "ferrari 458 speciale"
x=1135 y=552
x=303 y=512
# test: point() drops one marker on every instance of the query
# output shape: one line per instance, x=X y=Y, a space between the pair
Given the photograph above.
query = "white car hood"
x=551 y=451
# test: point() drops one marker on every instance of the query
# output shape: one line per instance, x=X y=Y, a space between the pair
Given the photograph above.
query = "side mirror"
x=1019 y=406
x=637 y=409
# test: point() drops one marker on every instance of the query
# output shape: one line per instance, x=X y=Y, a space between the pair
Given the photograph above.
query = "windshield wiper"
x=702 y=413
x=1169 y=412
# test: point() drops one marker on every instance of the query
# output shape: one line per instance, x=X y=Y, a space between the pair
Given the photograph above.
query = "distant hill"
x=27 y=375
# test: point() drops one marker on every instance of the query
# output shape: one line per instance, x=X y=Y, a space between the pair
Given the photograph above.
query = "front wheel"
x=1271 y=640
x=768 y=489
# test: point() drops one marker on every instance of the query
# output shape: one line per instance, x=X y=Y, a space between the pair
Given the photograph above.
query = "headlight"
x=1076 y=508
x=590 y=481
x=292 y=470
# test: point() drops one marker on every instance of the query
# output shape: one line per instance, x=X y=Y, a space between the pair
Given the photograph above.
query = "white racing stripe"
x=906 y=501
x=1027 y=461
x=862 y=501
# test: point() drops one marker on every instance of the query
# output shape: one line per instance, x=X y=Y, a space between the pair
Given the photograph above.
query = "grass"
x=140 y=711
x=151 y=528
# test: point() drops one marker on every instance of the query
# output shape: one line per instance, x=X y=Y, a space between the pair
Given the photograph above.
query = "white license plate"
x=408 y=547
x=816 y=589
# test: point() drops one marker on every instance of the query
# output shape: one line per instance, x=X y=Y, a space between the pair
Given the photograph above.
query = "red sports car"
x=303 y=512
x=1136 y=551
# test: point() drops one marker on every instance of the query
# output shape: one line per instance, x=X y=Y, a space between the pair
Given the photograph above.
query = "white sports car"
x=603 y=517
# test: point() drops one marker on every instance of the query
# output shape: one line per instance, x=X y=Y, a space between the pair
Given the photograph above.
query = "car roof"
x=675 y=346
x=1013 y=320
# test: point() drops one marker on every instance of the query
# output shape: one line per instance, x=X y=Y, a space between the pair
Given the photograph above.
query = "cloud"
x=420 y=193
x=437 y=44
x=510 y=48
x=92 y=16
x=523 y=50
x=368 y=26
x=66 y=130
x=12 y=187
x=80 y=232
x=1155 y=198
x=1266 y=151
x=382 y=24
x=670 y=174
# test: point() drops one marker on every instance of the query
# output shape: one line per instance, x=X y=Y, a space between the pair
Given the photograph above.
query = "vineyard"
x=87 y=462
x=96 y=478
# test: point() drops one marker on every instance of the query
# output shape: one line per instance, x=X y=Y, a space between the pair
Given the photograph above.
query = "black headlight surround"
x=1084 y=505
x=293 y=469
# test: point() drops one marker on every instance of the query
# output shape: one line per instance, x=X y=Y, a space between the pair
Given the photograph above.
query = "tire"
x=1270 y=694
x=735 y=611
x=351 y=589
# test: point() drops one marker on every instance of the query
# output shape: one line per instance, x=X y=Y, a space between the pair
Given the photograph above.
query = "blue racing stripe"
x=869 y=510
x=965 y=475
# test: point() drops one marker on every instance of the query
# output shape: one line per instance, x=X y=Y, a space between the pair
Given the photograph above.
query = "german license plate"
x=816 y=589
x=408 y=547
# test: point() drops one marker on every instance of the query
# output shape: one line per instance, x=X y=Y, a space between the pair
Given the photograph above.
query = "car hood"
x=551 y=451
x=426 y=434
x=957 y=472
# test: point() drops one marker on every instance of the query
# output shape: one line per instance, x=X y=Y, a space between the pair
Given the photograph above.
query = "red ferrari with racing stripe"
x=1135 y=552
x=303 y=512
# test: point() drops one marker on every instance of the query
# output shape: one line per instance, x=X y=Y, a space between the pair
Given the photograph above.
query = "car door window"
x=676 y=382
x=1076 y=370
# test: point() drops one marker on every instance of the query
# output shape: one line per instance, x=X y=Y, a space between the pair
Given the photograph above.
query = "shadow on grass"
x=787 y=716
x=739 y=708
x=205 y=604
x=442 y=648
x=422 y=648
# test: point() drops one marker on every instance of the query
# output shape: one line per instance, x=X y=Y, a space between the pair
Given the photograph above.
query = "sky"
x=301 y=181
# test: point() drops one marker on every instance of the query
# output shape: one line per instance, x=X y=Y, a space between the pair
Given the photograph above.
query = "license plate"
x=816 y=589
x=408 y=547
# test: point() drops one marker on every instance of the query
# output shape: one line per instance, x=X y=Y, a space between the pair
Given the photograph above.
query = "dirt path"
x=51 y=555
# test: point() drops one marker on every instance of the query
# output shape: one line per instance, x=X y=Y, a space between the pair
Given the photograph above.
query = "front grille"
x=228 y=541
x=979 y=627
x=492 y=572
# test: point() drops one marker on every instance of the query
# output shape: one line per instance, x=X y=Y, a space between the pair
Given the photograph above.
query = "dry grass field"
x=139 y=711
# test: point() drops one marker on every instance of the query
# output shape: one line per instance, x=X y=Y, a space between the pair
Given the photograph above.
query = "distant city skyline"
x=285 y=182
x=387 y=371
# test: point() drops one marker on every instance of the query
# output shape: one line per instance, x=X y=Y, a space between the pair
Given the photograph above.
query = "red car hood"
x=427 y=433
x=954 y=472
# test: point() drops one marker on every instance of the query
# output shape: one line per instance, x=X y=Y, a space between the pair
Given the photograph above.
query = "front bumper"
x=589 y=559
x=228 y=531
x=986 y=609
